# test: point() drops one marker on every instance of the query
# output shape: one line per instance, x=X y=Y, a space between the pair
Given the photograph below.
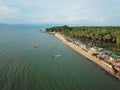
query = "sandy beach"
x=87 y=53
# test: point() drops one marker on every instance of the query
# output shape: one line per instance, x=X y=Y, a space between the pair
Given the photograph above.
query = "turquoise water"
x=23 y=67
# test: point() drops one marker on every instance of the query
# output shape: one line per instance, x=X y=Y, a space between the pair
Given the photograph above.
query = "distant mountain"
x=2 y=24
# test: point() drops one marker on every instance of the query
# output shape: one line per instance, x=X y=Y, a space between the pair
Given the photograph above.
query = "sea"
x=27 y=63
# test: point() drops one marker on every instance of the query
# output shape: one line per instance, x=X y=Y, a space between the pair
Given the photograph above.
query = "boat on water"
x=40 y=30
x=57 y=55
x=35 y=46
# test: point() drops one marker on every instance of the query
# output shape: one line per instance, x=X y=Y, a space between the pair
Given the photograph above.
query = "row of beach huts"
x=100 y=53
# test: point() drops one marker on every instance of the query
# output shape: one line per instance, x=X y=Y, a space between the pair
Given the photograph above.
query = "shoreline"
x=87 y=53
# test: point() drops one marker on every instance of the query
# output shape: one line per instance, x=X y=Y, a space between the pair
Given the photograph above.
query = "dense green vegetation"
x=107 y=37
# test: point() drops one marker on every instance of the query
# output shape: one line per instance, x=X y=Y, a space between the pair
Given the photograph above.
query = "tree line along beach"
x=99 y=44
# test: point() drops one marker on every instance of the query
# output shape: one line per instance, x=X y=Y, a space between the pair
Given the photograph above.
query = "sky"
x=81 y=12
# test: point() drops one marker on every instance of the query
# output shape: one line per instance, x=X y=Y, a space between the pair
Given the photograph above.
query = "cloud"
x=5 y=10
x=60 y=11
x=8 y=11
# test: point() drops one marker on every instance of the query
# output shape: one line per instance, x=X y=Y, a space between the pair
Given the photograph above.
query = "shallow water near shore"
x=23 y=67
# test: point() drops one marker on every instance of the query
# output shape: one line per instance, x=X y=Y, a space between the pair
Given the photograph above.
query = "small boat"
x=57 y=55
x=35 y=46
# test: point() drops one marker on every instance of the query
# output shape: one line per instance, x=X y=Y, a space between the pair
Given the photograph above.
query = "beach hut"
x=109 y=53
x=94 y=48
x=103 y=52
x=88 y=46
x=113 y=57
x=118 y=59
x=83 y=43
